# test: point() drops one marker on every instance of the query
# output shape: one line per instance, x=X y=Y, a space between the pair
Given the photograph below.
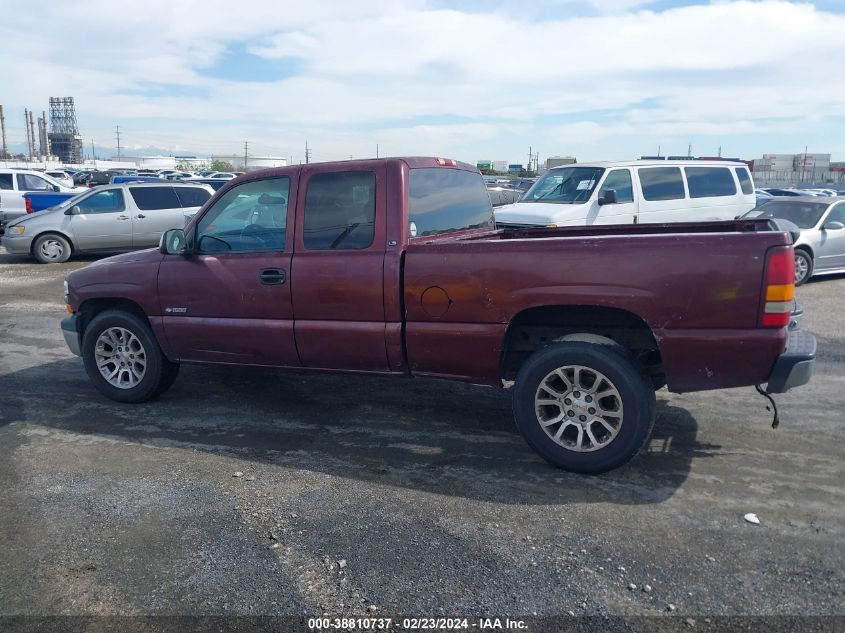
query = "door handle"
x=272 y=276
x=140 y=216
x=123 y=217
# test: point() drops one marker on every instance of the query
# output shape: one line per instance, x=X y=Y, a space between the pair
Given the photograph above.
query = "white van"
x=631 y=192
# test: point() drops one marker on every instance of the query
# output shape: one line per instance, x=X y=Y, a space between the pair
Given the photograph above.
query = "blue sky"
x=598 y=79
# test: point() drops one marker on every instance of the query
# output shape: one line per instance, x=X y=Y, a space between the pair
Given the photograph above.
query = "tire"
x=629 y=403
x=51 y=248
x=115 y=337
x=803 y=261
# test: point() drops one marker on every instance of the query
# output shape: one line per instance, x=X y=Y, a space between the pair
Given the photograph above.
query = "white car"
x=62 y=177
x=16 y=182
x=222 y=174
x=631 y=192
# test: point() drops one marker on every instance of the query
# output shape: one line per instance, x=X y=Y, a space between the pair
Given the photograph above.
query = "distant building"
x=515 y=168
x=500 y=165
x=252 y=162
x=557 y=161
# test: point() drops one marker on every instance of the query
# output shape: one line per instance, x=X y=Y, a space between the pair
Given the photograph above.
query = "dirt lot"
x=415 y=496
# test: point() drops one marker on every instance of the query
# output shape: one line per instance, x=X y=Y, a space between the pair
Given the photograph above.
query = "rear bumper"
x=73 y=337
x=795 y=366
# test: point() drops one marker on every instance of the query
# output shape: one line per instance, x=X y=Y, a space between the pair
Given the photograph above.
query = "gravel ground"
x=257 y=492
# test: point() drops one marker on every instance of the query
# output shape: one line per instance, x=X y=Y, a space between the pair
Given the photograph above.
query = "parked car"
x=395 y=266
x=15 y=182
x=222 y=174
x=788 y=192
x=62 y=177
x=214 y=183
x=35 y=201
x=632 y=192
x=120 y=217
x=821 y=248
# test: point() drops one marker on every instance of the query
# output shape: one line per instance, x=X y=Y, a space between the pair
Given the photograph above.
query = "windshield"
x=805 y=215
x=567 y=185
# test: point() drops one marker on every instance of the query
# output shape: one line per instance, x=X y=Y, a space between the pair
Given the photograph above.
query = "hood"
x=34 y=217
x=541 y=213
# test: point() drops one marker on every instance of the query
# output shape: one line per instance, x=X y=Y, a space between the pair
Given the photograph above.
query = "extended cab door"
x=338 y=267
x=229 y=301
x=831 y=251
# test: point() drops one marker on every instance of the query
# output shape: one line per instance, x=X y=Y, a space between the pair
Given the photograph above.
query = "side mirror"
x=56 y=188
x=608 y=197
x=172 y=242
x=833 y=226
x=74 y=210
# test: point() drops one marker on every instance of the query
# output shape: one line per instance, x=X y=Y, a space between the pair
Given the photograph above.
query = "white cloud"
x=400 y=74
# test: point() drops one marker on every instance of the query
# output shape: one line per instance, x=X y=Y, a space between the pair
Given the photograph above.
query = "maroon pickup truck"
x=395 y=266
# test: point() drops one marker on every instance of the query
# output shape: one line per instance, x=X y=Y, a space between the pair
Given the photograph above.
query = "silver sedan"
x=821 y=248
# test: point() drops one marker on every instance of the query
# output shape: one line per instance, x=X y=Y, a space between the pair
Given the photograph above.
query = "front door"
x=831 y=252
x=338 y=268
x=625 y=210
x=230 y=301
x=103 y=222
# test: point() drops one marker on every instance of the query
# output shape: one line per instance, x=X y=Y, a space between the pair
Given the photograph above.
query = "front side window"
x=744 y=180
x=838 y=214
x=662 y=183
x=6 y=181
x=620 y=180
x=340 y=211
x=249 y=217
x=109 y=201
x=191 y=196
x=154 y=198
x=567 y=185
x=28 y=182
x=445 y=200
x=710 y=182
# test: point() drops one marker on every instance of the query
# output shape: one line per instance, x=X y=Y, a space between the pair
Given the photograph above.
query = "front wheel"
x=584 y=407
x=803 y=266
x=123 y=359
x=51 y=248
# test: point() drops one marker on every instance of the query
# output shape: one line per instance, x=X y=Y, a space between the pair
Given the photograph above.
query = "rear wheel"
x=123 y=358
x=803 y=266
x=51 y=248
x=584 y=407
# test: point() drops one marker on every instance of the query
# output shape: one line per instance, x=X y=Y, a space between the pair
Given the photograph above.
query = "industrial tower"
x=65 y=141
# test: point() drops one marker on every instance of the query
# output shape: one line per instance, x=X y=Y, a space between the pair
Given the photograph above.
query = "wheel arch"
x=90 y=308
x=64 y=236
x=537 y=327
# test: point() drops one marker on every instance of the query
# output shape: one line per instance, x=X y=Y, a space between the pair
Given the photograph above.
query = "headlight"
x=17 y=230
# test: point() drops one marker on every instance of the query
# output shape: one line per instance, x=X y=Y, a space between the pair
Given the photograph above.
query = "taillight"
x=780 y=287
x=446 y=162
x=28 y=203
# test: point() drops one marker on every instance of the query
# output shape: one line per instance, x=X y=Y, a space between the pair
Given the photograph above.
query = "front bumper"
x=73 y=337
x=795 y=366
x=17 y=244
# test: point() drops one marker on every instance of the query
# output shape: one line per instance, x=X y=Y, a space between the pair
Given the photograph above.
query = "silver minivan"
x=112 y=218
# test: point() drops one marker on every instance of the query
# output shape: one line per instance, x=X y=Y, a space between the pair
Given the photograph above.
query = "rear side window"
x=191 y=196
x=444 y=200
x=28 y=182
x=154 y=198
x=662 y=183
x=710 y=182
x=340 y=211
x=744 y=180
x=6 y=181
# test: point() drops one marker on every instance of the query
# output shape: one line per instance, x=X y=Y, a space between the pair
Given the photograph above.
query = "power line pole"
x=117 y=131
x=93 y=151
x=246 y=153
x=307 y=153
x=530 y=157
x=3 y=131
x=376 y=148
